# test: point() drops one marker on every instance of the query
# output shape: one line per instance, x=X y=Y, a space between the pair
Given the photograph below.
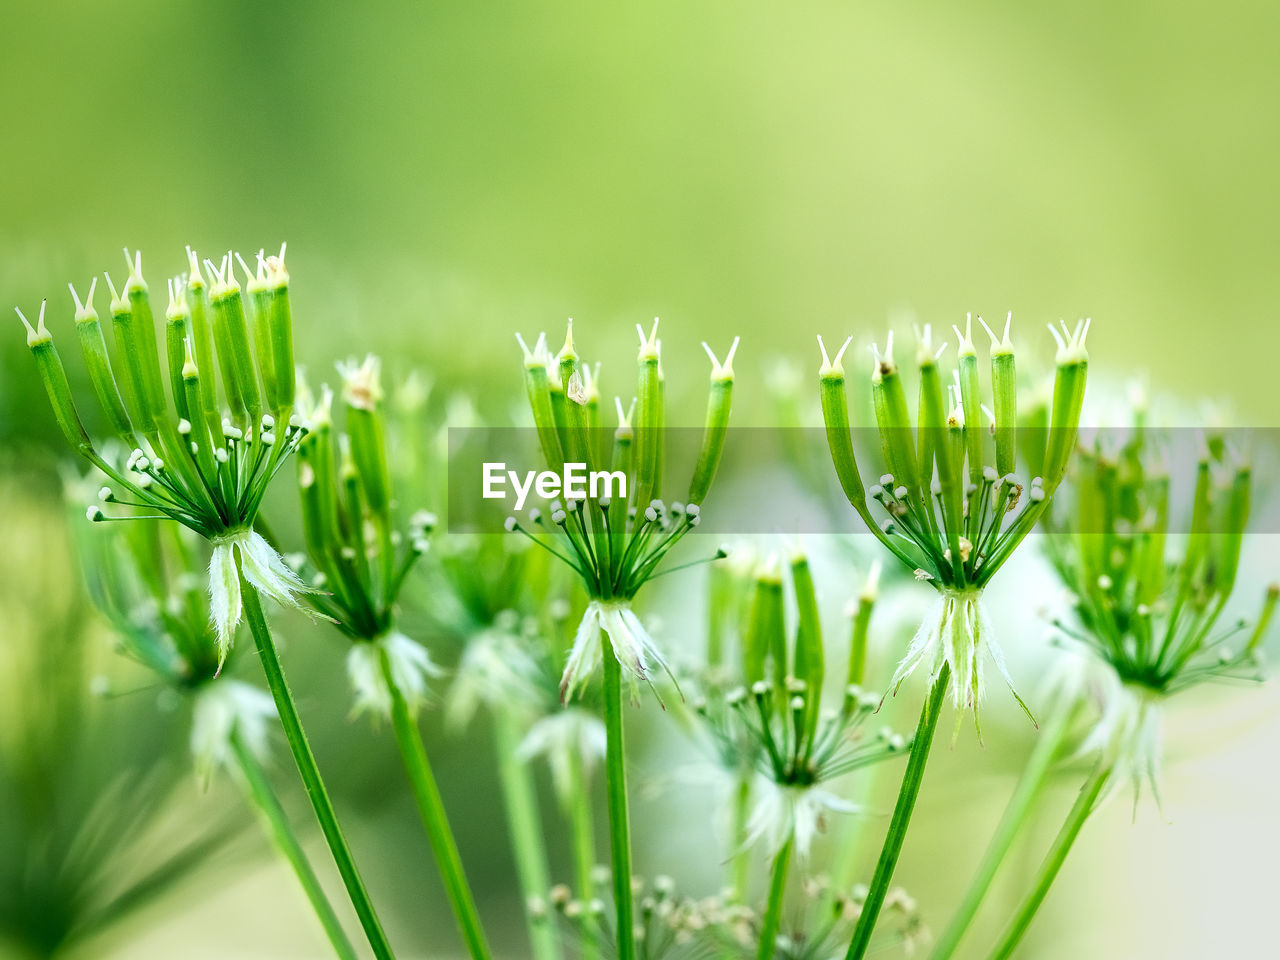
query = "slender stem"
x=773 y=909
x=277 y=824
x=739 y=855
x=422 y=781
x=310 y=772
x=619 y=823
x=584 y=844
x=901 y=820
x=521 y=800
x=1085 y=804
x=1011 y=823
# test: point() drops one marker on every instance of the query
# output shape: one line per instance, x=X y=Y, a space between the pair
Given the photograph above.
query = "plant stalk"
x=619 y=818
x=739 y=855
x=310 y=772
x=1085 y=804
x=521 y=800
x=1011 y=824
x=584 y=846
x=286 y=841
x=901 y=820
x=426 y=793
x=773 y=909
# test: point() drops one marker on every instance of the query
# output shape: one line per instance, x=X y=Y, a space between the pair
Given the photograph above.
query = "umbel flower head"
x=201 y=459
x=1147 y=608
x=137 y=577
x=773 y=719
x=955 y=507
x=615 y=545
x=356 y=552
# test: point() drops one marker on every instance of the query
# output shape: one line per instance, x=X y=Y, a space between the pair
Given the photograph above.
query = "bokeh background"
x=448 y=173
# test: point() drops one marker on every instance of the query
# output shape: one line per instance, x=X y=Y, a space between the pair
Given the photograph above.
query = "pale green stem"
x=1085 y=804
x=277 y=823
x=305 y=760
x=413 y=753
x=740 y=856
x=1011 y=824
x=619 y=817
x=912 y=778
x=772 y=918
x=584 y=844
x=521 y=800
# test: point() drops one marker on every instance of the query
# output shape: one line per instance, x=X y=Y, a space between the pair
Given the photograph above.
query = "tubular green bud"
x=94 y=349
x=894 y=421
x=538 y=386
x=177 y=328
x=1264 y=618
x=1068 y=398
x=54 y=378
x=130 y=377
x=258 y=295
x=199 y=434
x=150 y=384
x=809 y=661
x=861 y=623
x=1151 y=569
x=231 y=335
x=835 y=416
x=649 y=418
x=971 y=400
x=1231 y=540
x=1004 y=391
x=766 y=630
x=362 y=392
x=280 y=322
x=717 y=423
x=202 y=340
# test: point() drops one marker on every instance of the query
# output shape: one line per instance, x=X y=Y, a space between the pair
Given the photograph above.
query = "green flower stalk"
x=356 y=551
x=615 y=544
x=955 y=512
x=208 y=470
x=160 y=615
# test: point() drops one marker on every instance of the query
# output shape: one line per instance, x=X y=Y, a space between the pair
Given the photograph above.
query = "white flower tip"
x=649 y=346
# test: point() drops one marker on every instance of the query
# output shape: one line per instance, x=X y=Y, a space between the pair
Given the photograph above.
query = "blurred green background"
x=448 y=173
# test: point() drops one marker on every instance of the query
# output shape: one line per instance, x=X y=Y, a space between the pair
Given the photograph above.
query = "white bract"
x=631 y=643
x=261 y=565
x=224 y=708
x=789 y=810
x=411 y=669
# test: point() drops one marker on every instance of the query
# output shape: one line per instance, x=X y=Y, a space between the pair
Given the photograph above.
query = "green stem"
x=1085 y=804
x=1011 y=823
x=426 y=793
x=740 y=856
x=773 y=910
x=901 y=820
x=521 y=801
x=277 y=823
x=584 y=845
x=619 y=824
x=310 y=772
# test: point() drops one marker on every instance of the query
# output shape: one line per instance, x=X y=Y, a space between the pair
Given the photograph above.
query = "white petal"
x=410 y=665
x=585 y=654
x=224 y=596
x=222 y=708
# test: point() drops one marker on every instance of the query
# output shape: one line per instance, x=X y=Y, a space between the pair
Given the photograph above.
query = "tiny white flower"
x=263 y=567
x=784 y=811
x=411 y=670
x=631 y=644
x=223 y=708
x=496 y=671
x=565 y=738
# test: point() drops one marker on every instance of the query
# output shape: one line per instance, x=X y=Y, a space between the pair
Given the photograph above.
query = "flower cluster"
x=201 y=460
x=355 y=553
x=615 y=546
x=955 y=507
x=1148 y=605
x=672 y=926
x=772 y=721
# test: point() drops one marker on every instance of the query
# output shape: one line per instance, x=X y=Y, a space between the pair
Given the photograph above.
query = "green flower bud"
x=129 y=374
x=258 y=296
x=94 y=349
x=177 y=329
x=971 y=400
x=809 y=660
x=54 y=378
x=717 y=423
x=150 y=383
x=1004 y=390
x=538 y=387
x=835 y=415
x=1068 y=398
x=202 y=341
x=766 y=630
x=231 y=336
x=362 y=393
x=280 y=322
x=893 y=419
x=649 y=419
